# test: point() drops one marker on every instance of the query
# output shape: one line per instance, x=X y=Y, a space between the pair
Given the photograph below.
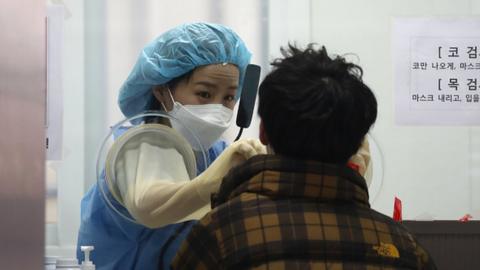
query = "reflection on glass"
x=51 y=194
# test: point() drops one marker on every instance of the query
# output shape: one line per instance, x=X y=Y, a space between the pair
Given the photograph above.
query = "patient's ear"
x=263 y=135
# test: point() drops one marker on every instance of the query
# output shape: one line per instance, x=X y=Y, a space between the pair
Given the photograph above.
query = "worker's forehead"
x=217 y=71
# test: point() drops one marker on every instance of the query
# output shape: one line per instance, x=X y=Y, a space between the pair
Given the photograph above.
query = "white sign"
x=436 y=71
x=54 y=93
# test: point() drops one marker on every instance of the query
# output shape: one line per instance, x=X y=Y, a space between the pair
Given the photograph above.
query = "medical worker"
x=194 y=73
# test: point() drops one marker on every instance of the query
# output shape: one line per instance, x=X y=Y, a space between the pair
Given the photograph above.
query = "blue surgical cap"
x=177 y=52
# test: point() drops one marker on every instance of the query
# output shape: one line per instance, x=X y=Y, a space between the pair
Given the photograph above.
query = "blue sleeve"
x=212 y=154
x=216 y=149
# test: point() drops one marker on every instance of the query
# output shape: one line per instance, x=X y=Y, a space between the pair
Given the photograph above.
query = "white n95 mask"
x=205 y=122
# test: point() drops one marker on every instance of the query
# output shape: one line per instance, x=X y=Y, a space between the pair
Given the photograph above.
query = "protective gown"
x=155 y=200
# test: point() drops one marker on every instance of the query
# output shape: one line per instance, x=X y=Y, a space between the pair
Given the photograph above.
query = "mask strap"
x=173 y=101
x=170 y=93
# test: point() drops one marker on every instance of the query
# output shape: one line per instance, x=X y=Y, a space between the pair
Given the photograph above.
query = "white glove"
x=156 y=202
x=209 y=181
x=363 y=160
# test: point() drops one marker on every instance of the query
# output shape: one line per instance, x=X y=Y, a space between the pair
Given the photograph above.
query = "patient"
x=303 y=206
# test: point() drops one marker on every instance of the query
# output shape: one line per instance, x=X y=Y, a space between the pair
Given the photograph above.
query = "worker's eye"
x=229 y=98
x=204 y=94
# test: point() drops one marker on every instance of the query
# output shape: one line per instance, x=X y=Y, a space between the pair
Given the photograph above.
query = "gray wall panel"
x=22 y=159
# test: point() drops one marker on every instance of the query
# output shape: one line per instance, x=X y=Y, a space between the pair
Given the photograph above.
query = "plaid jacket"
x=279 y=213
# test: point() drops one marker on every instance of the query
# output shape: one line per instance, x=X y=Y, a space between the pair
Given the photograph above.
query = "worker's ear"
x=161 y=93
x=263 y=135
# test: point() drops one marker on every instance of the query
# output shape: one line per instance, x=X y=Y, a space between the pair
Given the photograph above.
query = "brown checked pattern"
x=279 y=213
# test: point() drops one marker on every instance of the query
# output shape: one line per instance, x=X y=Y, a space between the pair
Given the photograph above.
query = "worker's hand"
x=242 y=150
x=363 y=160
x=209 y=181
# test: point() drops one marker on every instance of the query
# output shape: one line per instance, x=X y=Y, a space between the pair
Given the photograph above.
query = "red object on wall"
x=466 y=218
x=397 y=210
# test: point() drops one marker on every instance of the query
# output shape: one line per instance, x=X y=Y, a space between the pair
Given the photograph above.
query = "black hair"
x=315 y=107
x=154 y=104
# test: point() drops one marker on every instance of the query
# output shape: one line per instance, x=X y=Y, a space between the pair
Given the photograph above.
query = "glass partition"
x=433 y=169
